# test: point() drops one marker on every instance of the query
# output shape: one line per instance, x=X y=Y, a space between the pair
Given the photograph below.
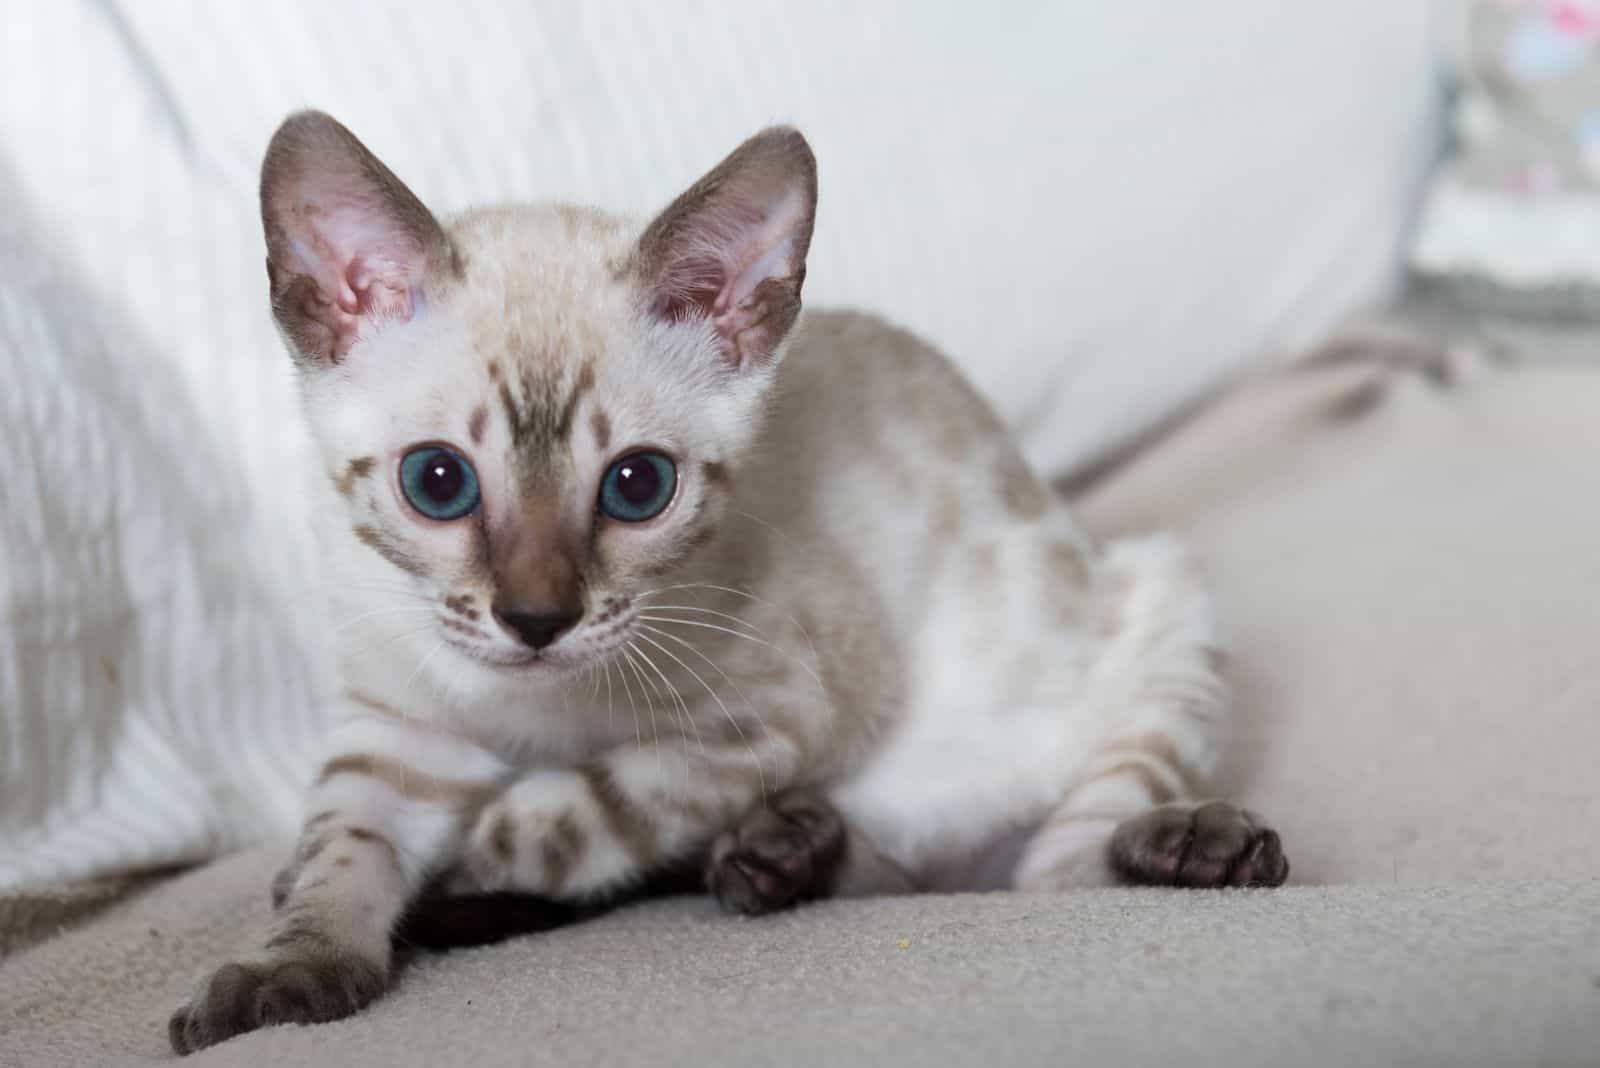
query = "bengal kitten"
x=636 y=567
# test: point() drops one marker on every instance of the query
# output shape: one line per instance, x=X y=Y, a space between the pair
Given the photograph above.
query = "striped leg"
x=386 y=813
x=1131 y=816
x=1128 y=825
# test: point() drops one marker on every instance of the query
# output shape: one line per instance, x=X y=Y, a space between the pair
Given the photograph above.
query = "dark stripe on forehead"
x=600 y=424
x=475 y=423
x=585 y=382
x=513 y=410
x=388 y=548
x=540 y=415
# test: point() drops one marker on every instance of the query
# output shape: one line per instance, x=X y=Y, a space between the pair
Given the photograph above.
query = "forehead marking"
x=540 y=420
x=584 y=383
x=600 y=424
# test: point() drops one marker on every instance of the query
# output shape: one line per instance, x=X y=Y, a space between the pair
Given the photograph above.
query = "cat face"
x=534 y=415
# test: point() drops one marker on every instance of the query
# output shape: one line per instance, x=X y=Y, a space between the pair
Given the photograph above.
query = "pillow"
x=1100 y=210
x=1511 y=222
x=154 y=704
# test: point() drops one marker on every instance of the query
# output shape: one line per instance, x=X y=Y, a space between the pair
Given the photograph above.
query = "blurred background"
x=1102 y=211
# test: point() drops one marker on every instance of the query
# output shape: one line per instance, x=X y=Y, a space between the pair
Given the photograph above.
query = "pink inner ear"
x=364 y=272
x=725 y=255
x=348 y=245
x=767 y=252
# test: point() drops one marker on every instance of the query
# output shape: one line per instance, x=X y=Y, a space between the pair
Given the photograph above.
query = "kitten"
x=636 y=569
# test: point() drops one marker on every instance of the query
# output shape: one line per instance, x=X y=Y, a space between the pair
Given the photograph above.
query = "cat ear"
x=733 y=247
x=348 y=245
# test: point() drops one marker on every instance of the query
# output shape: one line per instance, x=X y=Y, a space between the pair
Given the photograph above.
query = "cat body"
x=633 y=566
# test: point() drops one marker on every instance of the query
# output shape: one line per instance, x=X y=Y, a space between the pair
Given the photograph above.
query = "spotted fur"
x=863 y=648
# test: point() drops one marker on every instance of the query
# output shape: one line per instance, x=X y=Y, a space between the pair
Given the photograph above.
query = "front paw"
x=531 y=839
x=779 y=854
x=303 y=989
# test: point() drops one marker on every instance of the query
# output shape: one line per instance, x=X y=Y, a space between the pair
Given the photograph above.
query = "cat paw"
x=531 y=839
x=1207 y=845
x=782 y=853
x=244 y=997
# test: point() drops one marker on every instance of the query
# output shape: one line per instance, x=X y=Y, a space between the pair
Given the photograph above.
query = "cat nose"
x=538 y=627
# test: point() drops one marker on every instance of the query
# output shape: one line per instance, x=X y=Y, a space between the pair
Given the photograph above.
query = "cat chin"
x=548 y=665
x=498 y=661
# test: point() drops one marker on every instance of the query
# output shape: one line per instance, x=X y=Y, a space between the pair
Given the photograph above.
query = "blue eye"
x=637 y=487
x=439 y=483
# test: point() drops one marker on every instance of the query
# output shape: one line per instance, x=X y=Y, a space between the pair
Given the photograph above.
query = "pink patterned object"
x=1576 y=18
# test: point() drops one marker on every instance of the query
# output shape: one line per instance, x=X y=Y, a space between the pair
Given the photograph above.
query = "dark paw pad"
x=243 y=997
x=778 y=855
x=1213 y=844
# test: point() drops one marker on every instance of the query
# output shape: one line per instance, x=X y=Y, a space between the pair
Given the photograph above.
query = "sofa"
x=1393 y=499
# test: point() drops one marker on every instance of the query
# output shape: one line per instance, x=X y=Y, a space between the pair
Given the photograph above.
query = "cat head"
x=533 y=414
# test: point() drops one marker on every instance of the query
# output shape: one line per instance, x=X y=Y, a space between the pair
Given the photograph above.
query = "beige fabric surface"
x=1411 y=585
x=1409 y=577
x=1459 y=976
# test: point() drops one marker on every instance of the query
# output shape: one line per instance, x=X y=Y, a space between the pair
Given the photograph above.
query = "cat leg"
x=1133 y=814
x=795 y=848
x=386 y=813
x=584 y=833
x=1130 y=827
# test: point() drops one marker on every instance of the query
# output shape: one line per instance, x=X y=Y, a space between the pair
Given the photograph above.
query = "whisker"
x=754 y=711
x=651 y=705
x=747 y=637
x=635 y=655
x=760 y=776
x=333 y=589
x=372 y=647
x=405 y=688
x=789 y=616
x=420 y=665
x=611 y=710
x=638 y=736
x=669 y=697
x=706 y=612
x=391 y=610
x=688 y=717
x=788 y=542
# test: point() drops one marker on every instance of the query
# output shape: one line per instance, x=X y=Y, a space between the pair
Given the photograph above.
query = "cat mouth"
x=493 y=659
x=591 y=650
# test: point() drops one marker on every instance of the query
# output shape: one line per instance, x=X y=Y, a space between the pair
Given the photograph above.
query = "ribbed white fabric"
x=1098 y=208
x=158 y=702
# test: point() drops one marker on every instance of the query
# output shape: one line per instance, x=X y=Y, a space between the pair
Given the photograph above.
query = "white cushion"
x=1099 y=209
x=155 y=703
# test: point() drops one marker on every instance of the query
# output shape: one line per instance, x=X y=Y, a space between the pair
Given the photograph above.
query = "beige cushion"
x=1346 y=977
x=1411 y=593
